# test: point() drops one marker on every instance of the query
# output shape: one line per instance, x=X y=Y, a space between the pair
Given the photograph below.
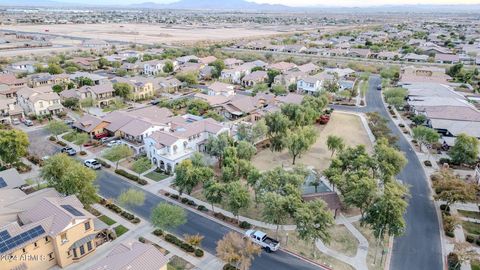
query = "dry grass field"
x=347 y=126
x=146 y=34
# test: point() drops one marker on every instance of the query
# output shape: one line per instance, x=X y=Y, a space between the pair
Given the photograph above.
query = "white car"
x=114 y=143
x=92 y=164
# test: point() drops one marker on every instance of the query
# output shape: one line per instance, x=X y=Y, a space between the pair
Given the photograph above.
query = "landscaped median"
x=131 y=177
x=179 y=243
x=115 y=208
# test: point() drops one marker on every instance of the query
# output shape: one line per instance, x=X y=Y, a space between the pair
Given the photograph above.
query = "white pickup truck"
x=260 y=238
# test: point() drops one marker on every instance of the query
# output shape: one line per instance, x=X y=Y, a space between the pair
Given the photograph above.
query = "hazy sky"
x=300 y=2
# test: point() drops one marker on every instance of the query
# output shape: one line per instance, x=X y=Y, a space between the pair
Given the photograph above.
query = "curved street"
x=420 y=246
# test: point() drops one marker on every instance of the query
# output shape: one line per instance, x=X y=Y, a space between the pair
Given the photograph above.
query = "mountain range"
x=242 y=5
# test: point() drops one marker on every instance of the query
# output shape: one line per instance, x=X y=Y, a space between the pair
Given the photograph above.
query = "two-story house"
x=39 y=101
x=43 y=79
x=142 y=88
x=9 y=110
x=313 y=84
x=221 y=89
x=102 y=94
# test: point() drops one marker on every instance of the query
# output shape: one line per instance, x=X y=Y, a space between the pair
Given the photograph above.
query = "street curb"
x=306 y=259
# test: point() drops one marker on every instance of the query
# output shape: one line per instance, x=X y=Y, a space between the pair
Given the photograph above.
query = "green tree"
x=313 y=221
x=54 y=69
x=300 y=141
x=121 y=72
x=395 y=96
x=188 y=176
x=70 y=177
x=167 y=216
x=141 y=165
x=57 y=127
x=465 y=150
x=131 y=197
x=215 y=146
x=213 y=192
x=190 y=78
x=299 y=115
x=278 y=125
x=245 y=150
x=360 y=192
x=419 y=119
x=219 y=65
x=425 y=135
x=168 y=67
x=71 y=103
x=71 y=70
x=331 y=86
x=117 y=153
x=122 y=89
x=80 y=139
x=82 y=81
x=451 y=189
x=272 y=73
x=237 y=197
x=388 y=160
x=275 y=209
x=278 y=90
x=335 y=143
x=57 y=88
x=13 y=145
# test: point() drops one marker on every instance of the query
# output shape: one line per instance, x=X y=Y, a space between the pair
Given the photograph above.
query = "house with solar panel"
x=45 y=229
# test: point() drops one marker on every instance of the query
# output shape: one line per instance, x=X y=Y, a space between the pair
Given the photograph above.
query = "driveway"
x=110 y=186
x=420 y=246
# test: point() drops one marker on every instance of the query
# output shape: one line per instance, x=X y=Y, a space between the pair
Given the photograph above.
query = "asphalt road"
x=38 y=145
x=110 y=186
x=420 y=246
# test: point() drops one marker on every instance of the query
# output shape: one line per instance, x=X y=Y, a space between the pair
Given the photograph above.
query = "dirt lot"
x=147 y=34
x=347 y=126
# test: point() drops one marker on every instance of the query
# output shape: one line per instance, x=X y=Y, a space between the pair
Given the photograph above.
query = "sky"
x=356 y=3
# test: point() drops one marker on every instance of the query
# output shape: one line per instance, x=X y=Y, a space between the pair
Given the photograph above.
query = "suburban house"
x=9 y=110
x=411 y=74
x=359 y=53
x=85 y=63
x=185 y=135
x=132 y=255
x=44 y=224
x=314 y=84
x=446 y=58
x=10 y=179
x=413 y=57
x=23 y=66
x=153 y=67
x=168 y=85
x=288 y=78
x=188 y=58
x=42 y=79
x=97 y=79
x=232 y=62
x=255 y=77
x=282 y=66
x=221 y=89
x=386 y=55
x=39 y=101
x=102 y=94
x=11 y=81
x=207 y=60
x=142 y=87
x=80 y=94
x=91 y=125
x=240 y=106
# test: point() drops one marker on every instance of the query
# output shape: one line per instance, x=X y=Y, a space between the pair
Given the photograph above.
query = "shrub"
x=414 y=141
x=427 y=163
x=191 y=203
x=401 y=125
x=477 y=241
x=202 y=208
x=142 y=182
x=158 y=232
x=229 y=267
x=219 y=216
x=453 y=262
x=141 y=240
x=174 y=196
x=449 y=234
x=135 y=220
x=103 y=162
x=184 y=200
x=171 y=238
x=127 y=175
x=245 y=225
x=52 y=138
x=198 y=252
x=445 y=208
x=470 y=238
x=167 y=194
x=61 y=143
x=444 y=160
x=187 y=247
x=82 y=153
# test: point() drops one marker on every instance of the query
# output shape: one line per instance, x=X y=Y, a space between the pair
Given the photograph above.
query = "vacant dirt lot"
x=347 y=126
x=145 y=34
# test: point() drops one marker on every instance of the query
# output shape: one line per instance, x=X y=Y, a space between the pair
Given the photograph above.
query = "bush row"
x=131 y=177
x=229 y=267
x=103 y=162
x=61 y=143
x=473 y=239
x=243 y=224
x=115 y=208
x=179 y=243
x=35 y=160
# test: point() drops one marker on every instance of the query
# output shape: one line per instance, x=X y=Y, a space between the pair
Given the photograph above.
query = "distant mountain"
x=212 y=5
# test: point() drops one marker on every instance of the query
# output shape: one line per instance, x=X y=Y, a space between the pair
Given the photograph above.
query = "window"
x=87 y=226
x=47 y=240
x=35 y=244
x=24 y=250
x=82 y=250
x=63 y=237
x=69 y=253
x=89 y=246
x=50 y=256
x=75 y=253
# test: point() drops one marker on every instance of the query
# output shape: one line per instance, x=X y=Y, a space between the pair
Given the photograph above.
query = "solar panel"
x=2 y=182
x=72 y=210
x=7 y=242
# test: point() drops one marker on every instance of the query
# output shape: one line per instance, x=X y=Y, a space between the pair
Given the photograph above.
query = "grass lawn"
x=371 y=248
x=471 y=228
x=347 y=126
x=156 y=176
x=120 y=229
x=364 y=88
x=69 y=136
x=107 y=220
x=343 y=241
x=475 y=265
x=469 y=214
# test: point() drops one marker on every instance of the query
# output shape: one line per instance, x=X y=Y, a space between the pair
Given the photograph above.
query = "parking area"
x=40 y=145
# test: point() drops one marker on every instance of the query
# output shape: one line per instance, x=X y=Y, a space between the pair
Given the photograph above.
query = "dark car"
x=70 y=151
x=379 y=87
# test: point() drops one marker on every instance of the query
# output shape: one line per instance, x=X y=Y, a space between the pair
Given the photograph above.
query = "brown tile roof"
x=163 y=138
x=331 y=198
x=460 y=113
x=132 y=255
x=99 y=89
x=87 y=122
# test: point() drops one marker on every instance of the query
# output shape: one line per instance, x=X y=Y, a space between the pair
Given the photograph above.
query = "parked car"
x=106 y=139
x=16 y=121
x=92 y=164
x=101 y=135
x=69 y=122
x=28 y=123
x=70 y=151
x=379 y=87
x=114 y=143
x=260 y=238
x=155 y=102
